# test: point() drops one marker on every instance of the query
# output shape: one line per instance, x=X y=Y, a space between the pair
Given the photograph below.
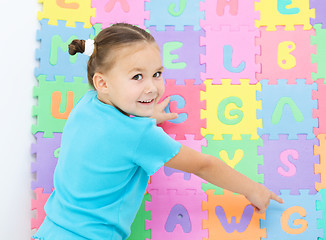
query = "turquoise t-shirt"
x=105 y=162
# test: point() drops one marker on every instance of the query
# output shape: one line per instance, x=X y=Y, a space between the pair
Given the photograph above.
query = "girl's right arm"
x=220 y=174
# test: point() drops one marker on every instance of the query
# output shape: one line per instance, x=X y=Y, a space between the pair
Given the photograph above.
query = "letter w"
x=232 y=226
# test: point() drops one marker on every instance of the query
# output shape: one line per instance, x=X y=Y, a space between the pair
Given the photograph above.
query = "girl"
x=107 y=156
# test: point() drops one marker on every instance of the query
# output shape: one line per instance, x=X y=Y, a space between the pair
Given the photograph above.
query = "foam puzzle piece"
x=320 y=113
x=289 y=164
x=295 y=219
x=191 y=142
x=231 y=109
x=174 y=13
x=238 y=154
x=54 y=97
x=162 y=183
x=185 y=100
x=53 y=54
x=320 y=8
x=320 y=57
x=176 y=216
x=231 y=217
x=231 y=13
x=321 y=167
x=38 y=205
x=113 y=11
x=287 y=109
x=180 y=53
x=321 y=206
x=285 y=13
x=138 y=226
x=47 y=153
x=229 y=58
x=72 y=12
x=286 y=54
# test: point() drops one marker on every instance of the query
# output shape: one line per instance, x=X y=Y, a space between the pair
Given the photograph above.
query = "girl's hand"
x=260 y=198
x=160 y=115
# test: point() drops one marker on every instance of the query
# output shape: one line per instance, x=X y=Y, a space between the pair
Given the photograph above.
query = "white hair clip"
x=89 y=47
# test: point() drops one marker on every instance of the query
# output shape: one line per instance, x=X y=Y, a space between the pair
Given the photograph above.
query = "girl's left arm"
x=220 y=174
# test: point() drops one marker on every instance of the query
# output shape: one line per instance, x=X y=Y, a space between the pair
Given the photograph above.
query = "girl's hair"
x=105 y=43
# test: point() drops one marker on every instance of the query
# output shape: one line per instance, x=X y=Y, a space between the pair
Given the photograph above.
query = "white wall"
x=17 y=62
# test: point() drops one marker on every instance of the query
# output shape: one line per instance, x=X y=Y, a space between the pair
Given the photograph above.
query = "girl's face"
x=134 y=84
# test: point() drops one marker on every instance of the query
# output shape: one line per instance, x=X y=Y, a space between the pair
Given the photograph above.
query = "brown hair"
x=105 y=42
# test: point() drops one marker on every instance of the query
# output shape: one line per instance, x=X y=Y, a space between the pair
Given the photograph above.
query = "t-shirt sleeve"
x=155 y=148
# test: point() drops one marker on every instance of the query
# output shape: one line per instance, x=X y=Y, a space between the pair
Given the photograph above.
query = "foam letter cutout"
x=235 y=112
x=169 y=171
x=284 y=159
x=182 y=117
x=221 y=4
x=297 y=222
x=63 y=4
x=277 y=114
x=284 y=59
x=227 y=60
x=110 y=5
x=233 y=226
x=181 y=9
x=168 y=58
x=178 y=215
x=57 y=42
x=238 y=155
x=56 y=102
x=283 y=9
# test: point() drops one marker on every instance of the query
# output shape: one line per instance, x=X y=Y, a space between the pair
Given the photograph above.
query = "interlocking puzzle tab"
x=180 y=53
x=47 y=153
x=286 y=55
x=320 y=113
x=72 y=11
x=238 y=154
x=233 y=13
x=284 y=13
x=53 y=99
x=231 y=217
x=320 y=8
x=287 y=109
x=138 y=226
x=229 y=58
x=174 y=13
x=53 y=54
x=176 y=215
x=289 y=164
x=320 y=57
x=38 y=205
x=113 y=11
x=295 y=219
x=231 y=109
x=321 y=167
x=185 y=100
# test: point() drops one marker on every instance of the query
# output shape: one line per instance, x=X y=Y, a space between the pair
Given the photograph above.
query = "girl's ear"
x=99 y=82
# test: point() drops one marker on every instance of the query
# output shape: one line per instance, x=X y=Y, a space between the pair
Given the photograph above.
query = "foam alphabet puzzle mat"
x=247 y=79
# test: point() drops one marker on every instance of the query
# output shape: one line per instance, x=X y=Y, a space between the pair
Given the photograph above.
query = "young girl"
x=111 y=144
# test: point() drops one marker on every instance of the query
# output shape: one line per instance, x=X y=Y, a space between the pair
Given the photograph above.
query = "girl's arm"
x=220 y=174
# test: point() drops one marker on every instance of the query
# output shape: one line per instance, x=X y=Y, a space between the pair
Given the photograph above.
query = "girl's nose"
x=151 y=87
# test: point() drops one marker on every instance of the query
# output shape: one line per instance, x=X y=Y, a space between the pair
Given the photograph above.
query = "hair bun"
x=76 y=46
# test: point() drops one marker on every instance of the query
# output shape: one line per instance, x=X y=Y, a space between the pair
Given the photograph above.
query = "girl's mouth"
x=149 y=101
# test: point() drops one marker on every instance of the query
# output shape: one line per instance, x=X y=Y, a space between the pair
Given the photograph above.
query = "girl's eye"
x=137 y=77
x=157 y=74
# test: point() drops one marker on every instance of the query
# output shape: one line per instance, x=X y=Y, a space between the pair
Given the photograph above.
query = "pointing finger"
x=165 y=102
x=277 y=198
